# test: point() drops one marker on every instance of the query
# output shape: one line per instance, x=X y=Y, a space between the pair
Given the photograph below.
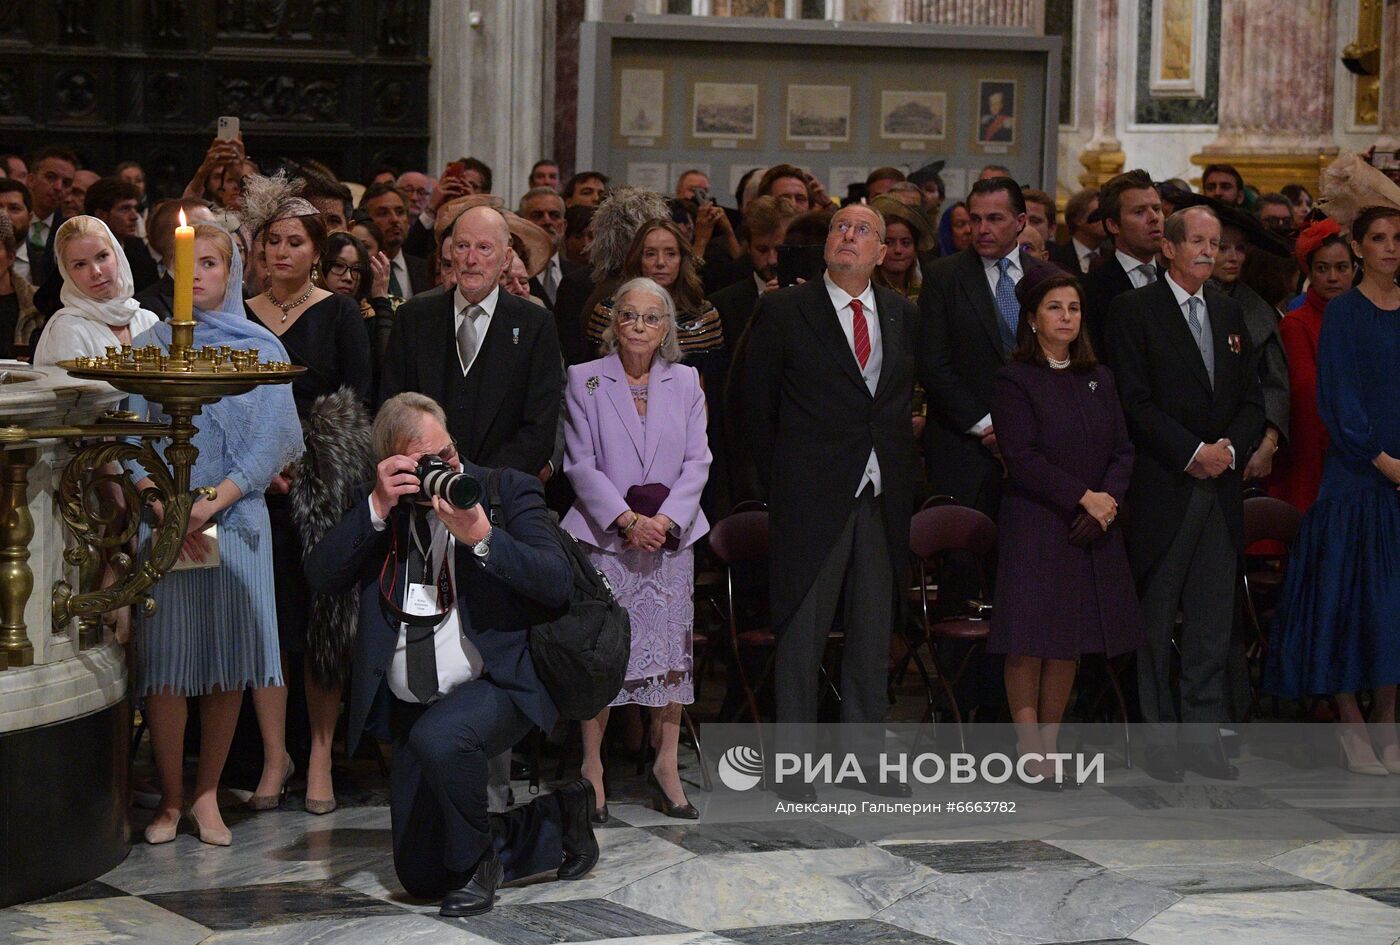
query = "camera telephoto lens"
x=436 y=478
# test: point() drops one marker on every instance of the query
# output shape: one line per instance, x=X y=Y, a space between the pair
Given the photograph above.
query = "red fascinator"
x=1311 y=238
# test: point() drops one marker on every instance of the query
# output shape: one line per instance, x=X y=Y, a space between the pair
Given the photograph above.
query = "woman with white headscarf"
x=98 y=309
x=214 y=631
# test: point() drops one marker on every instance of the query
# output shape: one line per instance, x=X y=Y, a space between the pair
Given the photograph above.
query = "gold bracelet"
x=632 y=524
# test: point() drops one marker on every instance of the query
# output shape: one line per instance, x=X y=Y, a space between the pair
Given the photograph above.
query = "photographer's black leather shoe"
x=479 y=894
x=576 y=801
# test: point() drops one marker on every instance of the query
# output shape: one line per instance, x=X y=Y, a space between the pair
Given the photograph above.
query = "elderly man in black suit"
x=445 y=600
x=491 y=359
x=829 y=381
x=969 y=314
x=1131 y=212
x=1183 y=361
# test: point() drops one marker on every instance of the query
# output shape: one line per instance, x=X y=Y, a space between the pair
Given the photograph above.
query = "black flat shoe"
x=479 y=894
x=663 y=803
x=600 y=814
x=576 y=802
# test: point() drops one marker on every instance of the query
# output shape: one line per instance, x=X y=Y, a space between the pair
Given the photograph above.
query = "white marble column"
x=492 y=87
x=1103 y=155
x=1276 y=91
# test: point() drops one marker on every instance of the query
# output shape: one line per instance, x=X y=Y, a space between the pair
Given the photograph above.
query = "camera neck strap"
x=419 y=559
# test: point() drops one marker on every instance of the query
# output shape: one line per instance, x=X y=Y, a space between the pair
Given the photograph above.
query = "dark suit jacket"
x=44 y=274
x=812 y=423
x=566 y=266
x=143 y=268
x=961 y=354
x=1102 y=285
x=418 y=274
x=1172 y=408
x=159 y=297
x=570 y=316
x=735 y=305
x=526 y=563
x=420 y=241
x=522 y=388
x=1064 y=256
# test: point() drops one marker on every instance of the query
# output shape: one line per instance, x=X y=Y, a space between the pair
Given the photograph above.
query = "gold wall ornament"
x=1363 y=58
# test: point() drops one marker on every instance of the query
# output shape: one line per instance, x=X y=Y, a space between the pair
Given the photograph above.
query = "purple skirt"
x=657 y=588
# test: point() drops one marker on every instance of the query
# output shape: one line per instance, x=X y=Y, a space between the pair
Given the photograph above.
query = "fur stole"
x=339 y=460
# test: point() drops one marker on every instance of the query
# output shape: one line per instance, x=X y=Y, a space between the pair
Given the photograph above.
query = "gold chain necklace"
x=287 y=307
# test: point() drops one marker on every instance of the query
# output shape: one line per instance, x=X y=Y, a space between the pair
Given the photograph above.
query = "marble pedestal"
x=64 y=718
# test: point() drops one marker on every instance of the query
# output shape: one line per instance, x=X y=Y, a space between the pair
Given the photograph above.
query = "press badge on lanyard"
x=429 y=600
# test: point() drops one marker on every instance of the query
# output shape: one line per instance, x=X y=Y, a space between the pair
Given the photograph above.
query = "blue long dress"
x=1339 y=613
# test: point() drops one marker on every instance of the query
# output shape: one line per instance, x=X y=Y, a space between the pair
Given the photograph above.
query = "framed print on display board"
x=817 y=116
x=641 y=107
x=912 y=119
x=724 y=114
x=996 y=117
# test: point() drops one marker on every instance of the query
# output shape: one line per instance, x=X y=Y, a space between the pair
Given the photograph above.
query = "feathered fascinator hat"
x=269 y=199
x=1350 y=185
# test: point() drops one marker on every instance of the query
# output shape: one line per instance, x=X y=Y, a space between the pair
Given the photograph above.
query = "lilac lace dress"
x=656 y=587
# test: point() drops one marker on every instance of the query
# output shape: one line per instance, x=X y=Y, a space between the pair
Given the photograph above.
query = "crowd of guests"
x=643 y=363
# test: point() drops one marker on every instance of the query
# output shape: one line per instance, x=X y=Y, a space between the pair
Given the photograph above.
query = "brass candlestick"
x=182 y=381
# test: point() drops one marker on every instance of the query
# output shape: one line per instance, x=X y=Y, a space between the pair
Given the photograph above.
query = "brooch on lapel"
x=515 y=336
x=592 y=384
x=1093 y=385
x=1234 y=342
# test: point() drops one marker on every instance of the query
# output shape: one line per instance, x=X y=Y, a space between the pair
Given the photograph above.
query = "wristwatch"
x=482 y=548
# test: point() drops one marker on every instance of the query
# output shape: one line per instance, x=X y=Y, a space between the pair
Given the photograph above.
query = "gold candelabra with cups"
x=182 y=381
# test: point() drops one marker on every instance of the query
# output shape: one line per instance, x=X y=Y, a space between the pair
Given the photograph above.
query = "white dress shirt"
x=993 y=271
x=871 y=373
x=1130 y=265
x=1182 y=296
x=483 y=321
x=400 y=268
x=1083 y=253
x=458 y=659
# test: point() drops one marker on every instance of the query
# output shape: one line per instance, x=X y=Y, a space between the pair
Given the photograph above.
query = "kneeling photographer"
x=444 y=614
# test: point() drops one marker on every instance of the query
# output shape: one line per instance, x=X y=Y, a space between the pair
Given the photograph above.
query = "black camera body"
x=437 y=478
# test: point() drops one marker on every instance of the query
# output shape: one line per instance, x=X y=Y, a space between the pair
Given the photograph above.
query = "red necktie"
x=862 y=333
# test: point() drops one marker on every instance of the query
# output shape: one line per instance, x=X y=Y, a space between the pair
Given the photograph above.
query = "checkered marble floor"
x=294 y=878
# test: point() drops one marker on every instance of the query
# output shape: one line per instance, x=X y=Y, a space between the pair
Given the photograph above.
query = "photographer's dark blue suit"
x=438 y=787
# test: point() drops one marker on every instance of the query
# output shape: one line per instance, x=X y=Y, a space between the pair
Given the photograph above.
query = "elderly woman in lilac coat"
x=637 y=456
x=1064 y=587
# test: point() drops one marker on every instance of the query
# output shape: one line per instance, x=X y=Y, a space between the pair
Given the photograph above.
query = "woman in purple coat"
x=1063 y=583
x=637 y=456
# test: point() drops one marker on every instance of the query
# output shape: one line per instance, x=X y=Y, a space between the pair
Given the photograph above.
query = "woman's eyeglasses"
x=650 y=319
x=341 y=270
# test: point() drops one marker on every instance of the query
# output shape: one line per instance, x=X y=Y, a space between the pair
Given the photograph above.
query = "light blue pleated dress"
x=216 y=628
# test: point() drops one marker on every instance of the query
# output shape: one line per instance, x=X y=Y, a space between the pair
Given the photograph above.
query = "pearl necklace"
x=287 y=307
x=1057 y=365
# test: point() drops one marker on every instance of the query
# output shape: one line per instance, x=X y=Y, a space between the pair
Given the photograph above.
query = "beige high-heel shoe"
x=1370 y=766
x=215 y=838
x=161 y=833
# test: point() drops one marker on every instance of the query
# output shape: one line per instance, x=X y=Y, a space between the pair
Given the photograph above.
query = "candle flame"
x=182 y=217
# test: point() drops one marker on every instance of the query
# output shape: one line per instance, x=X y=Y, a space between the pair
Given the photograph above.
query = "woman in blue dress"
x=214 y=631
x=1339 y=615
